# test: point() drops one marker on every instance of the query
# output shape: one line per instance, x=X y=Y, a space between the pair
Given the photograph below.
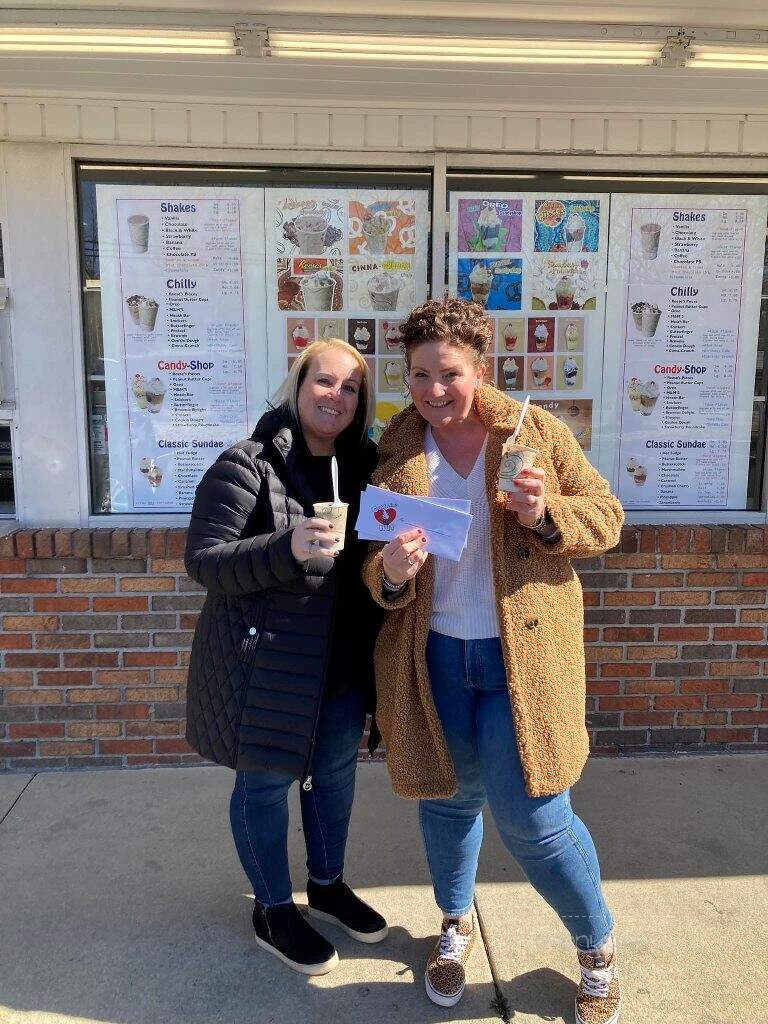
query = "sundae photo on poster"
x=311 y=227
x=381 y=285
x=382 y=227
x=391 y=375
x=576 y=414
x=570 y=334
x=570 y=372
x=143 y=311
x=567 y=225
x=300 y=332
x=148 y=394
x=510 y=334
x=511 y=373
x=494 y=284
x=390 y=338
x=562 y=282
x=151 y=472
x=310 y=285
x=646 y=316
x=637 y=472
x=541 y=334
x=362 y=335
x=643 y=395
x=490 y=225
x=540 y=372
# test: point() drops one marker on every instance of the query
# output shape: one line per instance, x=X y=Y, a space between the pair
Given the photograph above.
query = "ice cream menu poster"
x=346 y=264
x=686 y=275
x=174 y=313
x=537 y=264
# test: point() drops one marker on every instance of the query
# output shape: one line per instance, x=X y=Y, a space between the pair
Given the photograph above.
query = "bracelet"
x=392 y=588
x=538 y=524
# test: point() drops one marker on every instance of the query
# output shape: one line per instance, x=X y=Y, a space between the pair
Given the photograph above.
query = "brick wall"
x=97 y=624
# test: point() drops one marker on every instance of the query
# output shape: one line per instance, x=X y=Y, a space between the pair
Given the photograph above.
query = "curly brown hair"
x=460 y=323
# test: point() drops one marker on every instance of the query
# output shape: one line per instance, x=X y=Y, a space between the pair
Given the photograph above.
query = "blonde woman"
x=277 y=691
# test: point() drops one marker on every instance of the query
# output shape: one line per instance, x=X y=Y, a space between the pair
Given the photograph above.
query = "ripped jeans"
x=551 y=845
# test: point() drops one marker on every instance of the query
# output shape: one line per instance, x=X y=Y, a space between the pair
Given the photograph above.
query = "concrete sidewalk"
x=123 y=902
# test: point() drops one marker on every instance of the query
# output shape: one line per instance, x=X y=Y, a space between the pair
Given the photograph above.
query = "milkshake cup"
x=509 y=369
x=132 y=302
x=376 y=230
x=138 y=229
x=155 y=476
x=300 y=335
x=317 y=291
x=336 y=515
x=539 y=368
x=631 y=466
x=574 y=232
x=140 y=390
x=155 y=394
x=310 y=229
x=541 y=337
x=649 y=320
x=564 y=293
x=634 y=394
x=514 y=459
x=489 y=227
x=570 y=372
x=480 y=281
x=510 y=338
x=384 y=289
x=640 y=475
x=571 y=337
x=649 y=396
x=393 y=374
x=649 y=238
x=147 y=313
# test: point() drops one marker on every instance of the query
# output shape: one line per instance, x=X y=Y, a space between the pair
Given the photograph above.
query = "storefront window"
x=7 y=494
x=200 y=287
x=634 y=309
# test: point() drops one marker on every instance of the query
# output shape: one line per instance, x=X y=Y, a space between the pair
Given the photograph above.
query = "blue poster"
x=567 y=225
x=495 y=284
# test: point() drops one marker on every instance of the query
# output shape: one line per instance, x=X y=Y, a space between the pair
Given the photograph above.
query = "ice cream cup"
x=317 y=296
x=480 y=292
x=155 y=476
x=649 y=320
x=564 y=293
x=510 y=338
x=649 y=239
x=145 y=465
x=336 y=515
x=132 y=302
x=509 y=369
x=140 y=391
x=631 y=465
x=155 y=392
x=147 y=314
x=393 y=374
x=138 y=229
x=384 y=300
x=640 y=475
x=514 y=459
x=310 y=231
x=376 y=231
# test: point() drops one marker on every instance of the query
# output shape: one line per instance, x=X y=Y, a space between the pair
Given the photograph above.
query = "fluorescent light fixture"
x=464 y=50
x=60 y=39
x=715 y=56
x=669 y=179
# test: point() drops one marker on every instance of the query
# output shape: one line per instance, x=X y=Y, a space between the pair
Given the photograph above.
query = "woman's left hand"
x=528 y=500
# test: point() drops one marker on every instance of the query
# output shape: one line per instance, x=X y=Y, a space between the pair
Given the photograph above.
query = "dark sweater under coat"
x=258 y=665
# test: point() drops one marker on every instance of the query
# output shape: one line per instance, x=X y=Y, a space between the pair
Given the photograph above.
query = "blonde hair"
x=288 y=393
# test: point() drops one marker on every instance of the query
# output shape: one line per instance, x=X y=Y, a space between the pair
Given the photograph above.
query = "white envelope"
x=386 y=514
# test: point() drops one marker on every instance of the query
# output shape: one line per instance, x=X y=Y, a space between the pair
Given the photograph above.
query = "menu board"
x=537 y=263
x=350 y=264
x=686 y=277
x=174 y=269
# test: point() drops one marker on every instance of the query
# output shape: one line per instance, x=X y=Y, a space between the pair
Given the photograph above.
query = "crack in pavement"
x=20 y=795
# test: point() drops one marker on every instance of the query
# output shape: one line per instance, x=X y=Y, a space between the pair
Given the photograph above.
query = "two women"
x=280 y=676
x=479 y=664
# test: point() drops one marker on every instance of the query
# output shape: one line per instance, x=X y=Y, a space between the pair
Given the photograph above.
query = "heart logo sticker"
x=385 y=516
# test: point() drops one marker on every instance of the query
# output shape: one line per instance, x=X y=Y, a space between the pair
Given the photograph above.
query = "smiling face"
x=443 y=379
x=328 y=397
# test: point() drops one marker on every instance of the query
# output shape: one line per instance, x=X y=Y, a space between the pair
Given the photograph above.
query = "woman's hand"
x=528 y=498
x=404 y=556
x=311 y=538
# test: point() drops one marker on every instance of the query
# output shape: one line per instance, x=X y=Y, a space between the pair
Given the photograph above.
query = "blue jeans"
x=258 y=809
x=551 y=845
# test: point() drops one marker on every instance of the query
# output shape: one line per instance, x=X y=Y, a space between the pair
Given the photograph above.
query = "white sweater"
x=464 y=603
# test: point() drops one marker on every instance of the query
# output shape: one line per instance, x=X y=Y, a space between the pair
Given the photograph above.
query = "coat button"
x=253 y=631
x=523 y=553
x=531 y=623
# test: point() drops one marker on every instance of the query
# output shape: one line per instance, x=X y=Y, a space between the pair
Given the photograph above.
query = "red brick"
x=590 y=598
x=172 y=746
x=120 y=604
x=151 y=730
x=147 y=584
x=625 y=703
x=190 y=621
x=654 y=580
x=62 y=543
x=28 y=586
x=752 y=651
x=632 y=718
x=122 y=677
x=701 y=540
x=177 y=541
x=92 y=659
x=651 y=653
x=60 y=604
x=35 y=730
x=630 y=561
x=704 y=686
x=149 y=659
x=749 y=717
x=25 y=544
x=685 y=561
x=648 y=540
x=739 y=597
x=120 y=711
x=732 y=700
x=729 y=735
x=93 y=696
x=688 y=718
x=61 y=641
x=32 y=660
x=125 y=746
x=168 y=566
x=11 y=679
x=157 y=543
x=622 y=634
x=683 y=633
x=679 y=702
x=712 y=579
x=593 y=687
x=66 y=748
x=16 y=642
x=151 y=694
x=755 y=579
x=121 y=543
x=621 y=670
x=650 y=686
x=31 y=623
x=64 y=678
x=684 y=598
x=89 y=585
x=94 y=730
x=170 y=676
x=628 y=597
x=734 y=668
x=17 y=749
x=12 y=566
x=739 y=633
x=666 y=540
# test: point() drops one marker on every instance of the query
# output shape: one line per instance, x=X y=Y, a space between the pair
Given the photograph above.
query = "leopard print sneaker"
x=597 y=1001
x=445 y=974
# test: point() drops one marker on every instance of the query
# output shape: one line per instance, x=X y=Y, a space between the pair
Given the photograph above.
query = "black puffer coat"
x=258 y=662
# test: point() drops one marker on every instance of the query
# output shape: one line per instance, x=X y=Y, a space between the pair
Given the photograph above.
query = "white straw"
x=520 y=421
x=335 y=480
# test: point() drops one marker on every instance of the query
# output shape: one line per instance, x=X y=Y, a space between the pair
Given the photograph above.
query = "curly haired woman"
x=480 y=663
